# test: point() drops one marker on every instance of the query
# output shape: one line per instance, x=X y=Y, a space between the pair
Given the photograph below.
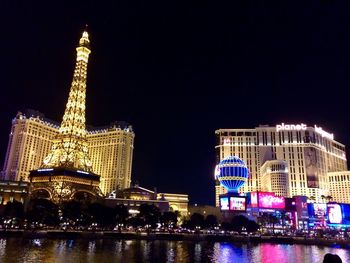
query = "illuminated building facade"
x=274 y=177
x=13 y=191
x=177 y=202
x=107 y=151
x=339 y=186
x=111 y=150
x=70 y=146
x=134 y=196
x=66 y=172
x=29 y=143
x=309 y=151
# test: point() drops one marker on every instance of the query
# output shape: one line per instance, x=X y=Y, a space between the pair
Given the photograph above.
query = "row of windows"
x=339 y=178
x=283 y=137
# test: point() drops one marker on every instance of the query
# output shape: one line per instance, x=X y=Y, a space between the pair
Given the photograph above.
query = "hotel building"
x=309 y=152
x=274 y=177
x=48 y=154
x=30 y=140
x=111 y=150
x=339 y=186
x=135 y=196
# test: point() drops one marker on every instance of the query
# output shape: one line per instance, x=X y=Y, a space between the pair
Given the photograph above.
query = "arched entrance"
x=41 y=193
x=83 y=196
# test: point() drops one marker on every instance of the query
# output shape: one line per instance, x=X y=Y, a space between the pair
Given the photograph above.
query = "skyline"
x=176 y=76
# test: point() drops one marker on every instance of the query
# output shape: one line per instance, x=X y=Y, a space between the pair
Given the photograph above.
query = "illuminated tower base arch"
x=64 y=184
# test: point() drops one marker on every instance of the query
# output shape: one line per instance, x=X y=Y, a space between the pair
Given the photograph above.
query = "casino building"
x=339 y=186
x=290 y=160
x=135 y=196
x=108 y=149
x=71 y=160
x=274 y=177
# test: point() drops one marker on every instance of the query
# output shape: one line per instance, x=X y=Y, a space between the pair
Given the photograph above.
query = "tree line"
x=77 y=215
x=43 y=213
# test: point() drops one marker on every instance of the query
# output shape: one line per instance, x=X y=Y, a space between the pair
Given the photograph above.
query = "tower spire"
x=70 y=148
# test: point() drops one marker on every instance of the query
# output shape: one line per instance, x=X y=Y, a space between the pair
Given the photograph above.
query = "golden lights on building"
x=135 y=196
x=274 y=177
x=36 y=142
x=111 y=151
x=30 y=141
x=66 y=171
x=309 y=152
x=339 y=186
x=13 y=191
x=70 y=147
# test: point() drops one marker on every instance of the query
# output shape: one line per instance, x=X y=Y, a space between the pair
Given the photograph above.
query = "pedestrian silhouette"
x=331 y=258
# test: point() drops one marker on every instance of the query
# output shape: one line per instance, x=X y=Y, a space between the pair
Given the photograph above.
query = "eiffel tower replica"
x=66 y=171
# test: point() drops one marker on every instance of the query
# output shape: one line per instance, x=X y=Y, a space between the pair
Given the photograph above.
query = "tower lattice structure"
x=70 y=147
x=66 y=171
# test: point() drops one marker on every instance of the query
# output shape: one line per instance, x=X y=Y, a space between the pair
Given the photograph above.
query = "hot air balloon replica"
x=232 y=173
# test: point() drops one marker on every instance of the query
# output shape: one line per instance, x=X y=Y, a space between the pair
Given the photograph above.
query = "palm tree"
x=273 y=220
x=329 y=198
x=312 y=199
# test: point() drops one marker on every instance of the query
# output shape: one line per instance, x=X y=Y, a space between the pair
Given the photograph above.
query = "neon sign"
x=290 y=127
x=323 y=133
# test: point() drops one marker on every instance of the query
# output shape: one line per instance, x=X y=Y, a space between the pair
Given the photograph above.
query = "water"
x=100 y=251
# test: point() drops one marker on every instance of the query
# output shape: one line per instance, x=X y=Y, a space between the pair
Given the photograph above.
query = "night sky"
x=179 y=70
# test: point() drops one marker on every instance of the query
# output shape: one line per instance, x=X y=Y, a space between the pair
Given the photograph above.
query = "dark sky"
x=178 y=70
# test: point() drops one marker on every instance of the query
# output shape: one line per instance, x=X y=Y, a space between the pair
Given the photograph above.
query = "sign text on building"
x=323 y=133
x=290 y=127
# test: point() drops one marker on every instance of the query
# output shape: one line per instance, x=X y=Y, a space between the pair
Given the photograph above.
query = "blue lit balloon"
x=233 y=173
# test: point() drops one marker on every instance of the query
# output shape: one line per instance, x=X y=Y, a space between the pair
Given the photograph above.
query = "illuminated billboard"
x=334 y=213
x=320 y=210
x=266 y=200
x=338 y=214
x=269 y=200
x=237 y=203
x=301 y=207
x=311 y=167
x=254 y=199
x=224 y=204
x=317 y=211
x=232 y=203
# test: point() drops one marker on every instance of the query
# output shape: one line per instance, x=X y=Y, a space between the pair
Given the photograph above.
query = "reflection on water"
x=101 y=251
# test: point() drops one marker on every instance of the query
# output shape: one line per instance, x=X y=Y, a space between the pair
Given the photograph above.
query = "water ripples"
x=14 y=250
